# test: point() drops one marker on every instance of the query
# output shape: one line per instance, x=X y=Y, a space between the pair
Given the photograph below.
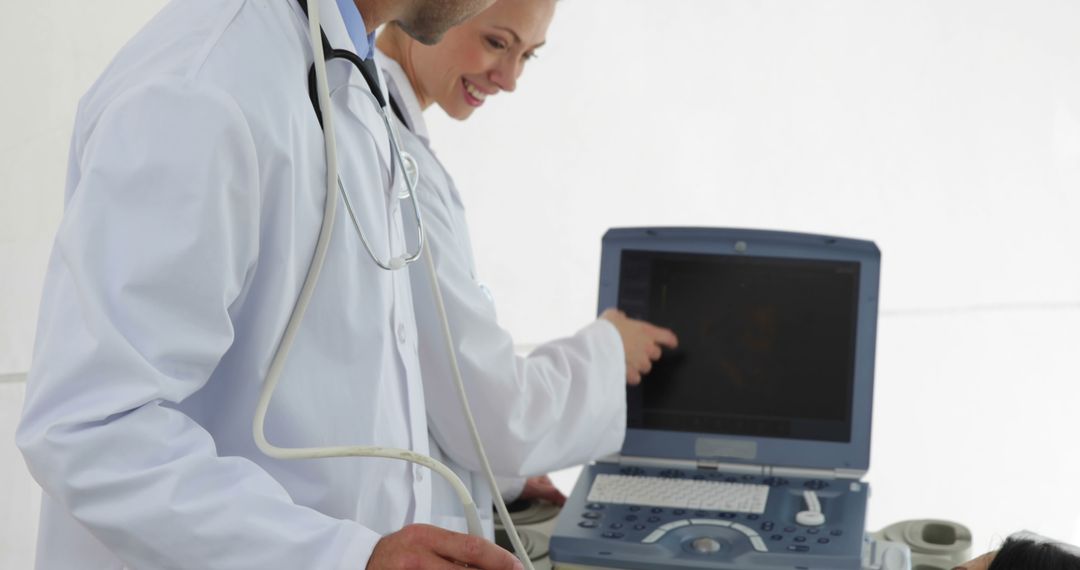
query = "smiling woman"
x=564 y=403
x=475 y=60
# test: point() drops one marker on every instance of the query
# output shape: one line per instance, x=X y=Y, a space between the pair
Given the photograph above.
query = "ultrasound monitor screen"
x=766 y=345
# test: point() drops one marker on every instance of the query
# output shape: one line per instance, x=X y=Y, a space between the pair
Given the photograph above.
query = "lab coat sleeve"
x=157 y=241
x=562 y=405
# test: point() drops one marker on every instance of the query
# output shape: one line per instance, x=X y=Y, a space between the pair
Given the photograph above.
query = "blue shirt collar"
x=354 y=24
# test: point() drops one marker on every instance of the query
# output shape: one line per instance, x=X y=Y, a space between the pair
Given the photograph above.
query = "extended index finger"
x=474 y=551
x=663 y=336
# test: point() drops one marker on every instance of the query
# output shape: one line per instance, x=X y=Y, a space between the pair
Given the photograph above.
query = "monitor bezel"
x=754 y=450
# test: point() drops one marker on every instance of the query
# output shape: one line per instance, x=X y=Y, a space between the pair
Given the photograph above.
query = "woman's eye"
x=495 y=42
x=528 y=55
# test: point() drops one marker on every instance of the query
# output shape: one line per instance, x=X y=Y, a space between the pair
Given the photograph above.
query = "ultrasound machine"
x=746 y=446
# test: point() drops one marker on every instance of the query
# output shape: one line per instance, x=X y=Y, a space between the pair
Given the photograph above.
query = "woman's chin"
x=460 y=111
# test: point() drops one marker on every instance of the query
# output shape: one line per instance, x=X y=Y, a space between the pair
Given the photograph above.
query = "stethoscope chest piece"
x=412 y=175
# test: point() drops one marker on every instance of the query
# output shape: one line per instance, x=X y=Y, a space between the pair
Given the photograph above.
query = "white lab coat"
x=564 y=404
x=194 y=200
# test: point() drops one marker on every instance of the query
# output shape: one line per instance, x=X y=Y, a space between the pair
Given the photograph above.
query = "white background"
x=948 y=132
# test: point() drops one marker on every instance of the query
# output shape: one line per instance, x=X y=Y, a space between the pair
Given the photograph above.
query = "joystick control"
x=812 y=516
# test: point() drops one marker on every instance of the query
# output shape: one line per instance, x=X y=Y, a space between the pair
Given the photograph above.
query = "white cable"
x=812 y=502
x=500 y=505
x=280 y=355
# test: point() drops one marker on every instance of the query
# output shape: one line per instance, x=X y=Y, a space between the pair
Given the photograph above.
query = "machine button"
x=613 y=535
x=587 y=524
x=813 y=530
x=595 y=506
x=789 y=529
x=758 y=544
x=766 y=526
x=592 y=515
x=657 y=510
x=701 y=514
x=705 y=545
x=709 y=522
x=653 y=537
x=674 y=524
x=679 y=512
x=640 y=527
x=776 y=537
x=744 y=529
x=800 y=539
x=753 y=517
x=653 y=519
x=615 y=526
x=631 y=518
x=727 y=515
x=635 y=509
x=823 y=541
x=798 y=548
x=836 y=532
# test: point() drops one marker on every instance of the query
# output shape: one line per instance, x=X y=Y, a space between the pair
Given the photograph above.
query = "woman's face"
x=481 y=57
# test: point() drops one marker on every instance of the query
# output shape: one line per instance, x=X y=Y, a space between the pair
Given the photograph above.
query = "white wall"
x=19 y=494
x=948 y=131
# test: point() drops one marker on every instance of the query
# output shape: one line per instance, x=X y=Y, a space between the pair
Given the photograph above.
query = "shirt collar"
x=354 y=24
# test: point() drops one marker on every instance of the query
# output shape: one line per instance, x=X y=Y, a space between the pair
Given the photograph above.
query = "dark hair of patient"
x=1026 y=554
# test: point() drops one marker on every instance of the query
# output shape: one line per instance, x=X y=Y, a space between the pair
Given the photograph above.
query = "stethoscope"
x=401 y=161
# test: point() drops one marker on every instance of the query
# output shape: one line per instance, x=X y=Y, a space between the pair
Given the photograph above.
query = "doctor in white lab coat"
x=194 y=200
x=564 y=404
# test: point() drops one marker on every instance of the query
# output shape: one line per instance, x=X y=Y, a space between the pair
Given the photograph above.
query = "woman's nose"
x=506 y=75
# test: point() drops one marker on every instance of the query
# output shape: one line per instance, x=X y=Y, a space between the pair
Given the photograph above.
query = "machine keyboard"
x=679 y=493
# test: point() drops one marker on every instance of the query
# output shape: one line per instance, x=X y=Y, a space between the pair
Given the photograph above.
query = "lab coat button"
x=401 y=333
x=418 y=473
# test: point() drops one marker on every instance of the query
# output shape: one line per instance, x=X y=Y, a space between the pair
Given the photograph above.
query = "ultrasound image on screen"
x=766 y=345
